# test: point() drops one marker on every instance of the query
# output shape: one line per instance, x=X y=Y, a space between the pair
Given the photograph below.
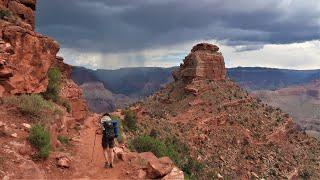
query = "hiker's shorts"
x=107 y=143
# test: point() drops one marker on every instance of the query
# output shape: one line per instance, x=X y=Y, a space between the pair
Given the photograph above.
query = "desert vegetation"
x=54 y=87
x=35 y=107
x=39 y=137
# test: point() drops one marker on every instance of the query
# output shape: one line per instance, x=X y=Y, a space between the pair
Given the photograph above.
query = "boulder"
x=26 y=126
x=142 y=174
x=2 y=124
x=159 y=168
x=175 y=174
x=14 y=135
x=64 y=162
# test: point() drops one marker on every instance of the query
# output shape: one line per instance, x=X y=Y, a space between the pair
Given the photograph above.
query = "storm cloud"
x=117 y=26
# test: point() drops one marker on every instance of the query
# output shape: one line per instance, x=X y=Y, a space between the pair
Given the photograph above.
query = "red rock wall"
x=29 y=57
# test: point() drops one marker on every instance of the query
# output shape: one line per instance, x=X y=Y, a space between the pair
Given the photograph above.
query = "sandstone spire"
x=204 y=62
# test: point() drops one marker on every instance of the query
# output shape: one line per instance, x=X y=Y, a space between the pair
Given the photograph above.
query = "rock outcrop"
x=28 y=55
x=204 y=62
x=151 y=168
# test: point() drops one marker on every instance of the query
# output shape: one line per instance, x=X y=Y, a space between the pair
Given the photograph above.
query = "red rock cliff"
x=27 y=54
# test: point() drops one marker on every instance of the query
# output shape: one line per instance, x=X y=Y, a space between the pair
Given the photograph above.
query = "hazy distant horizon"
x=137 y=67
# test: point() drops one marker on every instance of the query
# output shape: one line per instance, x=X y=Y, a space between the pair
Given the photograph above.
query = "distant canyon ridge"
x=297 y=92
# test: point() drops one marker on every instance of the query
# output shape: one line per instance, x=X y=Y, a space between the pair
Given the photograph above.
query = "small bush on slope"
x=39 y=137
x=53 y=88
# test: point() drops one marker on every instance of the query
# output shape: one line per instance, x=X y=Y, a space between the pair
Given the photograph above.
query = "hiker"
x=109 y=133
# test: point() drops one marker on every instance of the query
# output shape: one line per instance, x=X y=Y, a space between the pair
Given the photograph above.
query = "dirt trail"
x=94 y=170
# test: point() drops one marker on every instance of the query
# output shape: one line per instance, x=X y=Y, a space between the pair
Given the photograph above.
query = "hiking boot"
x=106 y=165
x=111 y=165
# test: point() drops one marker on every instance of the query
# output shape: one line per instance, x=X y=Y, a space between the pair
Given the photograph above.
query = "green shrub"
x=4 y=13
x=54 y=84
x=39 y=137
x=148 y=144
x=130 y=121
x=64 y=140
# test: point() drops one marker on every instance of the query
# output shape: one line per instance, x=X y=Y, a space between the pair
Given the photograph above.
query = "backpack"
x=110 y=129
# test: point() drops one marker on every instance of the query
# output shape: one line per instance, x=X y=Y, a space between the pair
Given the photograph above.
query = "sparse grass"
x=64 y=139
x=39 y=137
x=35 y=107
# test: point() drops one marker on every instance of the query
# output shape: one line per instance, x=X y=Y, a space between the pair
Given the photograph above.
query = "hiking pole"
x=94 y=144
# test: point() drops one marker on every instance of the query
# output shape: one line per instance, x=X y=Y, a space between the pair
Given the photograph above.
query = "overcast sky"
x=109 y=34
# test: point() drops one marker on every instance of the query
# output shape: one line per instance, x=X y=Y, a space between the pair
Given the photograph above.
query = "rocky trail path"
x=85 y=169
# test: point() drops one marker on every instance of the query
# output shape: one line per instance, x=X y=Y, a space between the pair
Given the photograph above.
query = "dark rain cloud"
x=128 y=25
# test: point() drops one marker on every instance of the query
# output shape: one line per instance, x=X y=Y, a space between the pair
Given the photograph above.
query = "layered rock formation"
x=28 y=54
x=204 y=62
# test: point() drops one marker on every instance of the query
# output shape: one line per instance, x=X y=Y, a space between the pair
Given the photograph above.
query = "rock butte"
x=204 y=62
